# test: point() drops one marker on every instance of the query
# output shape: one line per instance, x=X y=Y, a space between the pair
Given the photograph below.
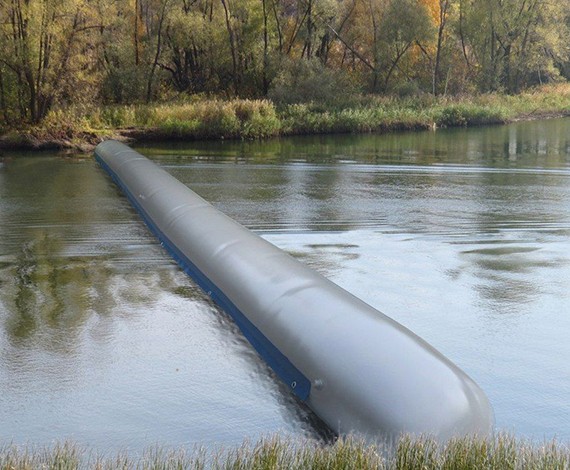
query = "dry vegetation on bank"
x=201 y=119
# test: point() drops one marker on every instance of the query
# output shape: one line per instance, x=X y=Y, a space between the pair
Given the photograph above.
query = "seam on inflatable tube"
x=299 y=384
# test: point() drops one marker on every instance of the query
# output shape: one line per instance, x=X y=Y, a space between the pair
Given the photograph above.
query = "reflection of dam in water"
x=356 y=368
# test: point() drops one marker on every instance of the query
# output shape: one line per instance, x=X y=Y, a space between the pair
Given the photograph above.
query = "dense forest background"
x=54 y=53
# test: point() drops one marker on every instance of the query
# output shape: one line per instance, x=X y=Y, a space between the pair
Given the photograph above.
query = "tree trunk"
x=136 y=33
x=231 y=36
x=462 y=36
x=399 y=55
x=308 y=47
x=277 y=25
x=507 y=82
x=157 y=54
x=3 y=97
x=265 y=78
x=375 y=52
x=443 y=9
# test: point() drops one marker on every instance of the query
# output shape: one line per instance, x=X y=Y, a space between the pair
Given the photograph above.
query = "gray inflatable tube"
x=357 y=369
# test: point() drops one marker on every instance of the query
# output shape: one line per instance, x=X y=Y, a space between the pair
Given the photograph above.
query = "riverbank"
x=201 y=119
x=500 y=452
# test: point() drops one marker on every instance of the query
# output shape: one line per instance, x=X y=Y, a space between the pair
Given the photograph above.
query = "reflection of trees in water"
x=71 y=257
x=510 y=275
x=503 y=275
x=50 y=298
x=523 y=211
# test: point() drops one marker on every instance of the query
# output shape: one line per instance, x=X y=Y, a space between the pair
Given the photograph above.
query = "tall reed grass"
x=422 y=453
x=254 y=119
x=205 y=118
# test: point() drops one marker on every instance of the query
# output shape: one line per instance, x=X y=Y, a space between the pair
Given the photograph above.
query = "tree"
x=515 y=43
x=442 y=18
x=404 y=23
x=160 y=20
x=48 y=45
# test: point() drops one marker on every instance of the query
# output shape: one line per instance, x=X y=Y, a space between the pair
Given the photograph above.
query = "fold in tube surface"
x=357 y=369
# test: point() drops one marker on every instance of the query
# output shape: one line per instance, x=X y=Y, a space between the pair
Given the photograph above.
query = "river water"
x=461 y=235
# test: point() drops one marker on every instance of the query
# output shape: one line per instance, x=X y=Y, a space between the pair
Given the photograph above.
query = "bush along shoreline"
x=276 y=452
x=204 y=119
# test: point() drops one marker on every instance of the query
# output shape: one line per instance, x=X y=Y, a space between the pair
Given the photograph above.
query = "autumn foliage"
x=54 y=53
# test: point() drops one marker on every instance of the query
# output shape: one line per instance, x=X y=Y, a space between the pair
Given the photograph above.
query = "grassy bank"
x=257 y=119
x=500 y=452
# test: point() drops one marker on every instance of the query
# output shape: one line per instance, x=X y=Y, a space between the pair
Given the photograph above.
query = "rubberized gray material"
x=357 y=369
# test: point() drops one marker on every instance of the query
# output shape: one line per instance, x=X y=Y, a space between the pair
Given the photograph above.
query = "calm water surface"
x=462 y=235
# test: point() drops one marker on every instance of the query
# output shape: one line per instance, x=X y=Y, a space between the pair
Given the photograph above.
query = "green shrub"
x=212 y=119
x=258 y=118
x=118 y=116
x=464 y=114
x=179 y=128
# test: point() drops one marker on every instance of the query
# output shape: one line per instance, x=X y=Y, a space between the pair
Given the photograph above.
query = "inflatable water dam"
x=356 y=368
